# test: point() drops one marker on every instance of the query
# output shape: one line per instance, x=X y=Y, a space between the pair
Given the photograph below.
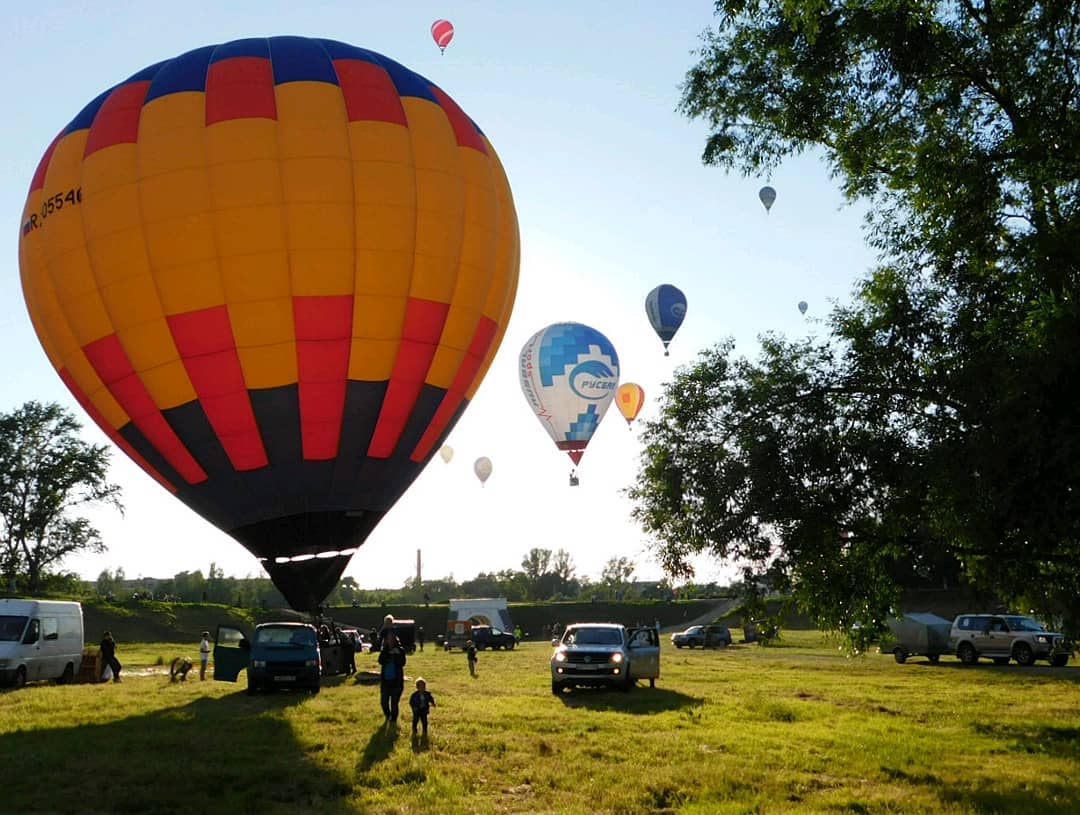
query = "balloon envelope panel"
x=569 y=373
x=274 y=272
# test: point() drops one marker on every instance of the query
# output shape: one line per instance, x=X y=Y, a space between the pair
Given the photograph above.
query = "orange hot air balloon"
x=629 y=397
x=442 y=31
x=274 y=272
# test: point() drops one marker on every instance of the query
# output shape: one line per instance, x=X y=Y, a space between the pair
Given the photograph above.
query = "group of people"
x=178 y=670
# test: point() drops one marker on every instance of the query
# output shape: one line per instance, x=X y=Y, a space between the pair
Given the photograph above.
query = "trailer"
x=920 y=635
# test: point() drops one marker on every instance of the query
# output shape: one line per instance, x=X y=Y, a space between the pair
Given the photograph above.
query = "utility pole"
x=419 y=581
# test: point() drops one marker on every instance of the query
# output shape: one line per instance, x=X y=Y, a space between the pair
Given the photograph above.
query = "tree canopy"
x=47 y=473
x=931 y=434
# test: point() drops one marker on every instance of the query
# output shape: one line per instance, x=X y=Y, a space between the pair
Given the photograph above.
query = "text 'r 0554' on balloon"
x=54 y=203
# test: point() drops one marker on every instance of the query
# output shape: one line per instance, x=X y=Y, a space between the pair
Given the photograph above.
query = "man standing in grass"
x=204 y=654
x=108 y=656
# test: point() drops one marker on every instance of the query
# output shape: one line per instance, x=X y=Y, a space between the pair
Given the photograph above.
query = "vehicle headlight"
x=1042 y=639
x=560 y=657
x=258 y=663
x=616 y=657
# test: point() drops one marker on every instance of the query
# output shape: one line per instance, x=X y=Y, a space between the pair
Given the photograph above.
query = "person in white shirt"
x=204 y=654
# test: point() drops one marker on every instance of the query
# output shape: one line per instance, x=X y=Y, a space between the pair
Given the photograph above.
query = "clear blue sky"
x=579 y=101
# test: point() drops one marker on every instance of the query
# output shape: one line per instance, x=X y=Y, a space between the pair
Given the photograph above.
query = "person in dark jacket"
x=108 y=655
x=391 y=676
x=470 y=654
x=421 y=702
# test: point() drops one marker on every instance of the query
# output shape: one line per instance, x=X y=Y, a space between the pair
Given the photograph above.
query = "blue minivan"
x=279 y=655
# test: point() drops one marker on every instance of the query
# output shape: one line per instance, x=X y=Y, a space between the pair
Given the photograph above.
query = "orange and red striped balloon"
x=274 y=272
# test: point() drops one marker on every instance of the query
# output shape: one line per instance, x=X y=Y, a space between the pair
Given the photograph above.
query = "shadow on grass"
x=640 y=701
x=379 y=746
x=1045 y=798
x=1050 y=740
x=1069 y=673
x=229 y=754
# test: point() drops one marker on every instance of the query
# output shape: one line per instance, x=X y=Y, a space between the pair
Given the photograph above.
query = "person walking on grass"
x=421 y=702
x=391 y=676
x=108 y=656
x=204 y=654
x=470 y=654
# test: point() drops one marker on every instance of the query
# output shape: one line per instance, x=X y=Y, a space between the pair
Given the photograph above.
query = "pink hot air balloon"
x=442 y=31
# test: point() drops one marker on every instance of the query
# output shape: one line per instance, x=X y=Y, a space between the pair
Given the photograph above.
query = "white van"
x=40 y=639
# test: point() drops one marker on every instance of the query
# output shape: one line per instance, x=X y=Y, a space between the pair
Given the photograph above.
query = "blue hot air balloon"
x=666 y=307
x=569 y=373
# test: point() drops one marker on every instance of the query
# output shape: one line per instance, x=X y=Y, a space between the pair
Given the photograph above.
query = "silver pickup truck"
x=604 y=654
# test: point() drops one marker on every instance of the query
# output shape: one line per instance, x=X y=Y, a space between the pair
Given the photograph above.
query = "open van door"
x=232 y=650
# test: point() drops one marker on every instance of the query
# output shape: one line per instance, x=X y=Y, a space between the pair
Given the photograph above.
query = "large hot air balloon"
x=569 y=373
x=803 y=307
x=767 y=196
x=482 y=468
x=442 y=31
x=274 y=272
x=666 y=307
x=446 y=452
x=630 y=397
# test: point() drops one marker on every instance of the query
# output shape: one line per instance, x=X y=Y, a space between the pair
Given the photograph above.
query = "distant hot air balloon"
x=629 y=397
x=482 y=468
x=274 y=272
x=666 y=307
x=446 y=452
x=569 y=373
x=803 y=307
x=442 y=31
x=767 y=196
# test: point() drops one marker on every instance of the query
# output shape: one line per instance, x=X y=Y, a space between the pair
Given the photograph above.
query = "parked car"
x=484 y=637
x=1002 y=637
x=702 y=636
x=279 y=655
x=604 y=654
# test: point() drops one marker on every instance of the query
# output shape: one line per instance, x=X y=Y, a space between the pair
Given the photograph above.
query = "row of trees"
x=544 y=575
x=932 y=433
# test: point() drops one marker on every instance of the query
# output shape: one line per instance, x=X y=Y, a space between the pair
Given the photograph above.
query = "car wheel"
x=1059 y=660
x=510 y=647
x=556 y=687
x=933 y=658
x=1001 y=660
x=966 y=653
x=67 y=675
x=1023 y=654
x=252 y=689
x=678 y=645
x=19 y=680
x=900 y=655
x=314 y=691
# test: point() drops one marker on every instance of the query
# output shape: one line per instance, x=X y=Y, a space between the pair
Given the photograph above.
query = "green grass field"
x=797 y=727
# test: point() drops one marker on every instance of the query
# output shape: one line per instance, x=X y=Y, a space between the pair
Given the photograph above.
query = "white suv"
x=605 y=654
x=1002 y=637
